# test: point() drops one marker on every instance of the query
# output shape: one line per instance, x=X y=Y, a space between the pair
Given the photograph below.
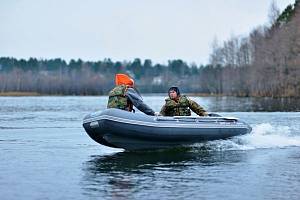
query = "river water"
x=46 y=154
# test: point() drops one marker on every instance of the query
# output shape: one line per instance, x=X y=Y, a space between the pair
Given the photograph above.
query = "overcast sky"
x=159 y=30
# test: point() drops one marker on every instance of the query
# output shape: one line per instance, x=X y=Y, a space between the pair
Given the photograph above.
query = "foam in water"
x=263 y=136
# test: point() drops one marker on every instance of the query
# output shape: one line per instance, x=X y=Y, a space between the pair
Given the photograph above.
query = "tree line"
x=77 y=77
x=264 y=63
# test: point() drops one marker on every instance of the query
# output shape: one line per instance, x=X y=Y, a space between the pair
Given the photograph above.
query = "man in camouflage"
x=180 y=105
x=123 y=96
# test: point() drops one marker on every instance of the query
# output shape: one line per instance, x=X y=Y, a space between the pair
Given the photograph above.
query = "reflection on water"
x=127 y=174
x=138 y=161
x=242 y=104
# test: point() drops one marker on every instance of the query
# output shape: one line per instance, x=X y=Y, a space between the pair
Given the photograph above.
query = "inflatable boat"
x=137 y=131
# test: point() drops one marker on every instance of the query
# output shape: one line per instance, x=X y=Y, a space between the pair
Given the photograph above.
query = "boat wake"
x=263 y=135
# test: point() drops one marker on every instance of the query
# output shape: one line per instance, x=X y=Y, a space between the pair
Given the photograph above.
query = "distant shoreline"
x=24 y=94
x=35 y=94
x=19 y=94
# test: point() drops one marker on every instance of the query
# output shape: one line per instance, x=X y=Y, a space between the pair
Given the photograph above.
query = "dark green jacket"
x=124 y=98
x=118 y=99
x=181 y=107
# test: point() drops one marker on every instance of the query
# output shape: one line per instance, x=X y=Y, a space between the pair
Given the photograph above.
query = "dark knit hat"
x=176 y=89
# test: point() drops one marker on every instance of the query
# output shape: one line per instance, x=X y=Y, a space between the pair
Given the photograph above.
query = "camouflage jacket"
x=117 y=98
x=181 y=107
x=124 y=98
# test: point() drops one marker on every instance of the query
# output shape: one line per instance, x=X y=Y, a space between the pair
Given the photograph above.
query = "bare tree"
x=274 y=13
x=216 y=56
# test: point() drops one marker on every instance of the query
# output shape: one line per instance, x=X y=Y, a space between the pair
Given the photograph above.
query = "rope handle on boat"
x=196 y=119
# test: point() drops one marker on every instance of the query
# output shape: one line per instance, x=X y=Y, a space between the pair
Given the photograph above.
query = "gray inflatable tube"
x=137 y=131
